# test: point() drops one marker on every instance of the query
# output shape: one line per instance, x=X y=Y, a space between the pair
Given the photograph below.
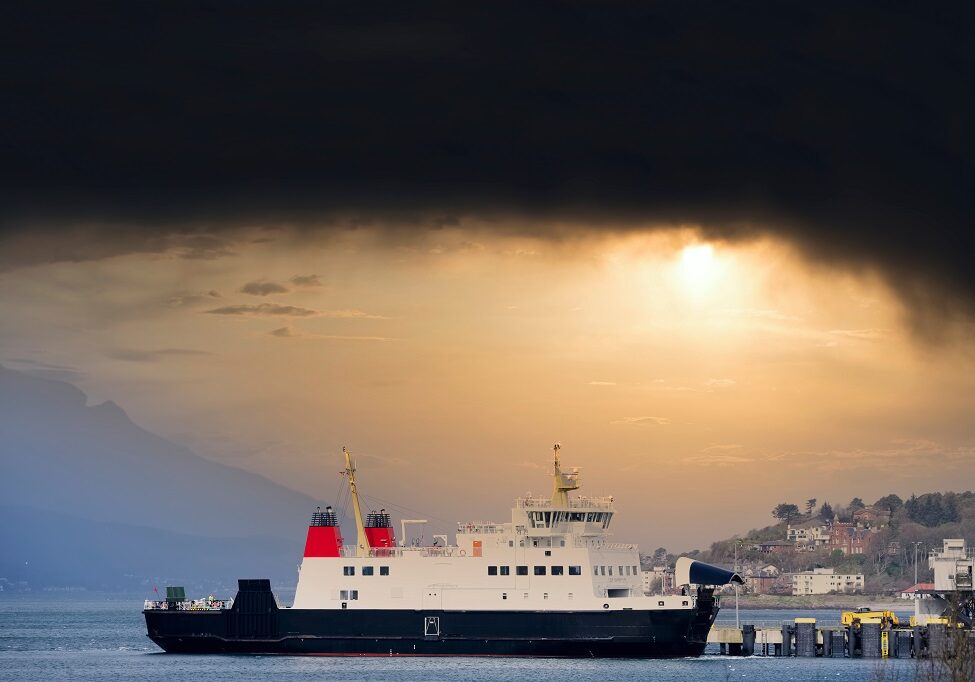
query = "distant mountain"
x=92 y=465
x=47 y=549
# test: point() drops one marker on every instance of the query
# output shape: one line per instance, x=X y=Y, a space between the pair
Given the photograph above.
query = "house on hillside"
x=850 y=539
x=765 y=580
x=871 y=517
x=808 y=534
x=775 y=547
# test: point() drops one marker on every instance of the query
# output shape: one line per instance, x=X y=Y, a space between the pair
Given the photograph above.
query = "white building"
x=953 y=566
x=809 y=533
x=824 y=581
x=660 y=575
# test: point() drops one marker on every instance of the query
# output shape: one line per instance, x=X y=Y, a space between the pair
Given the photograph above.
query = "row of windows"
x=366 y=570
x=549 y=519
x=623 y=570
x=349 y=594
x=538 y=570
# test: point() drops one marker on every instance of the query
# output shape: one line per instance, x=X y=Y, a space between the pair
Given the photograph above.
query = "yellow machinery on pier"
x=886 y=618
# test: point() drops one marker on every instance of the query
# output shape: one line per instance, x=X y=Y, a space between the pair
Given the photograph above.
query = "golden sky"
x=700 y=383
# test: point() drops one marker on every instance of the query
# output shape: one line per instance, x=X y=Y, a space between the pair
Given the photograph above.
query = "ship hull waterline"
x=580 y=634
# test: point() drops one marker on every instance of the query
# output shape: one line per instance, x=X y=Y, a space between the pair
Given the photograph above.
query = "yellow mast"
x=563 y=483
x=362 y=543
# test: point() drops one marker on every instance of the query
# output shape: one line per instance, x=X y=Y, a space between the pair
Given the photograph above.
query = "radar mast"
x=362 y=542
x=563 y=483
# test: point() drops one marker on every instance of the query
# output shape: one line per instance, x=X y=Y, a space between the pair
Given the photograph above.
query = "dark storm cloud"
x=263 y=288
x=843 y=127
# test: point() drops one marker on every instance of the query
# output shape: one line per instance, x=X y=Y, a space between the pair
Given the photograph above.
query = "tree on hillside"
x=855 y=503
x=810 y=505
x=786 y=512
x=659 y=556
x=890 y=502
x=932 y=509
x=826 y=512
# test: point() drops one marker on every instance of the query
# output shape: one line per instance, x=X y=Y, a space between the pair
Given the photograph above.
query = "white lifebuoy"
x=463 y=552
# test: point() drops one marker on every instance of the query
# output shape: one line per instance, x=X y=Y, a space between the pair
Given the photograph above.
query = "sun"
x=697 y=266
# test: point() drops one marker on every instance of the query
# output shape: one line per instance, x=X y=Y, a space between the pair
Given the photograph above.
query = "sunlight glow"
x=698 y=266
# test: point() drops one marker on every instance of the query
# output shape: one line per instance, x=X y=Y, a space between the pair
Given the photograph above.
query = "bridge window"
x=492 y=570
x=611 y=570
x=384 y=570
x=505 y=570
x=348 y=570
x=575 y=570
x=602 y=570
x=349 y=594
x=521 y=570
x=539 y=570
x=367 y=570
x=595 y=570
x=556 y=570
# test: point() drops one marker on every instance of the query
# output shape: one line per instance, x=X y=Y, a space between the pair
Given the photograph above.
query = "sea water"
x=54 y=637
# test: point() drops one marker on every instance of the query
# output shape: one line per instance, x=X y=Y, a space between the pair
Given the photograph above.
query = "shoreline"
x=843 y=602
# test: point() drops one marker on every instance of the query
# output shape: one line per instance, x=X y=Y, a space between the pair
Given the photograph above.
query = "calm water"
x=102 y=637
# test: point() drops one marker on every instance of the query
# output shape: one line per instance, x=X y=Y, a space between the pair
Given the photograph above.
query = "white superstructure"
x=554 y=554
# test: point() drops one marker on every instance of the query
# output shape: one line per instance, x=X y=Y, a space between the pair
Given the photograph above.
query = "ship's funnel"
x=324 y=535
x=692 y=572
x=379 y=530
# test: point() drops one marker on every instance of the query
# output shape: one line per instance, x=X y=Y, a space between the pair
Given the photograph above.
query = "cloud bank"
x=841 y=128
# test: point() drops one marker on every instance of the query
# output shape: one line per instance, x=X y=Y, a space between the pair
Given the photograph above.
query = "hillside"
x=91 y=467
x=887 y=560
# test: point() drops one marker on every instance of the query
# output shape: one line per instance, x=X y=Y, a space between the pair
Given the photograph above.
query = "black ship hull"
x=255 y=625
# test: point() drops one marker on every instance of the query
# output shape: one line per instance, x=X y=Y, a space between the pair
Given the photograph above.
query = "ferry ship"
x=549 y=582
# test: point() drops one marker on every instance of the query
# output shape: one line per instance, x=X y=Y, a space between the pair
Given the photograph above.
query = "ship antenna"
x=563 y=483
x=362 y=543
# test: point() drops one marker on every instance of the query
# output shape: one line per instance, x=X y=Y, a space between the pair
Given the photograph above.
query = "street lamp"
x=737 y=624
x=916 y=546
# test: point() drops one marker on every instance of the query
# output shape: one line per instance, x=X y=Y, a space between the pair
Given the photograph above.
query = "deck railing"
x=189 y=605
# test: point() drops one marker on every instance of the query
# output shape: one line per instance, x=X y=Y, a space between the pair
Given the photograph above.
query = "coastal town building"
x=808 y=534
x=953 y=566
x=850 y=539
x=915 y=591
x=658 y=580
x=775 y=547
x=871 y=517
x=824 y=581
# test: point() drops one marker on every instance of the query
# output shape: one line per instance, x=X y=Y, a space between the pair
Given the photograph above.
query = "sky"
x=720 y=251
x=680 y=374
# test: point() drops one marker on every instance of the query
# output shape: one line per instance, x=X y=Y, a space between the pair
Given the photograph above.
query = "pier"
x=803 y=637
